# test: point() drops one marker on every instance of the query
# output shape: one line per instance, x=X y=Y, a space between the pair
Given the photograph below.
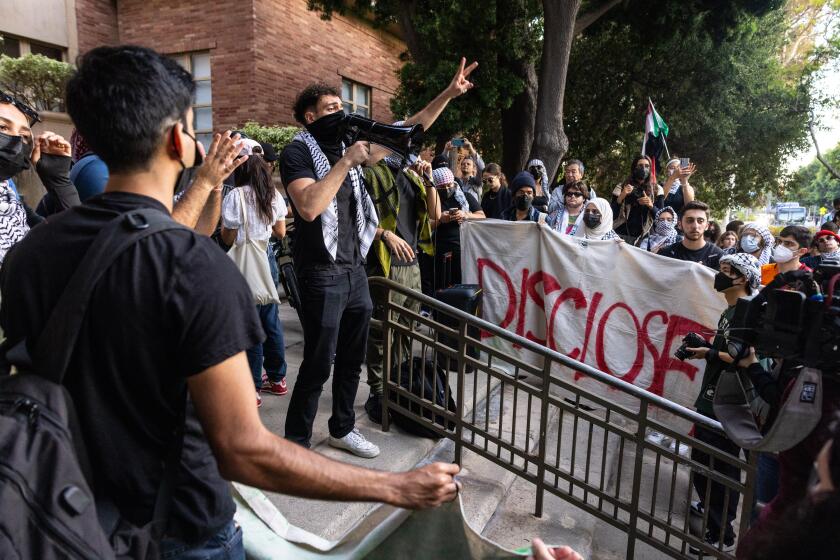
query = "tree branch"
x=820 y=157
x=590 y=17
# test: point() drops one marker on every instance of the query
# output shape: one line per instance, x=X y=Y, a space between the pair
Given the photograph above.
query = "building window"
x=356 y=97
x=9 y=46
x=46 y=50
x=198 y=65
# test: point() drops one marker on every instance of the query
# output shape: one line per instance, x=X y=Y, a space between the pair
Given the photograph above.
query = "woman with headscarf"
x=676 y=187
x=597 y=221
x=664 y=231
x=89 y=173
x=537 y=169
x=635 y=202
x=756 y=240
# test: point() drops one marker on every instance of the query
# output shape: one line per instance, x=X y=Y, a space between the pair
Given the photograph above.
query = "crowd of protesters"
x=174 y=313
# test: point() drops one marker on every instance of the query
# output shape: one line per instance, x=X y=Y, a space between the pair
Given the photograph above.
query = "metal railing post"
x=542 y=443
x=749 y=493
x=386 y=360
x=637 y=479
x=459 y=407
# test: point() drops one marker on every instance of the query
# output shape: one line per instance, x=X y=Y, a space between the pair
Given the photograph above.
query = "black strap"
x=57 y=342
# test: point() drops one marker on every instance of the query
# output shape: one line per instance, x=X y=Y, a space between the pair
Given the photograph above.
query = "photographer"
x=634 y=204
x=739 y=277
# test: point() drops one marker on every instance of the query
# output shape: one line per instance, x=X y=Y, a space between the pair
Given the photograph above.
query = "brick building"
x=249 y=57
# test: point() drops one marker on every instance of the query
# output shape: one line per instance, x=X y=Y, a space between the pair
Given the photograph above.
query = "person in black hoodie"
x=634 y=203
x=497 y=197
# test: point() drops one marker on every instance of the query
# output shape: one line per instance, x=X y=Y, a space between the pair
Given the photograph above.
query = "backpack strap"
x=55 y=346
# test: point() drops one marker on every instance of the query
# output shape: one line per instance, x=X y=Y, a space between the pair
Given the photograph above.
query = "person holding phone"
x=634 y=203
x=679 y=191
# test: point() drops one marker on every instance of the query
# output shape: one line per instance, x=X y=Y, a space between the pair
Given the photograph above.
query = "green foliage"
x=36 y=79
x=813 y=185
x=277 y=136
x=732 y=107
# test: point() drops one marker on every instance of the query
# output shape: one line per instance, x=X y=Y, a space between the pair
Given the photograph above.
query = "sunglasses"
x=31 y=114
x=575 y=194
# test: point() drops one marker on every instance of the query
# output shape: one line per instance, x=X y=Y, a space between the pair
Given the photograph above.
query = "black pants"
x=337 y=310
x=717 y=494
x=427 y=273
x=447 y=266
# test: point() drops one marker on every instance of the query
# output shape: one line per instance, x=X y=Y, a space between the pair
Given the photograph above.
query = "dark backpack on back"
x=419 y=377
x=48 y=508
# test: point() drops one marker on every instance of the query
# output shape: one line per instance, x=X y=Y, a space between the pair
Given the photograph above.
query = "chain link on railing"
x=586 y=446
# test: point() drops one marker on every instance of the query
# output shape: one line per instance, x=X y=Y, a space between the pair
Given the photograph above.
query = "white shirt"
x=258 y=230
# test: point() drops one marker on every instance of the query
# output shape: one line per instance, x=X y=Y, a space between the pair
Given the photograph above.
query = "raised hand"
x=460 y=84
x=221 y=159
x=50 y=143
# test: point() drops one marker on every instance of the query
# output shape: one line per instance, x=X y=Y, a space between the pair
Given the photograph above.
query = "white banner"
x=612 y=306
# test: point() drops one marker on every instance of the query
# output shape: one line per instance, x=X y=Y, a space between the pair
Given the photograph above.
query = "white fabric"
x=251 y=258
x=257 y=228
x=13 y=226
x=604 y=227
x=365 y=219
x=615 y=307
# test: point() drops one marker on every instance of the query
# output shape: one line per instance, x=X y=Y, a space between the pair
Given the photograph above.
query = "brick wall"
x=262 y=52
x=96 y=23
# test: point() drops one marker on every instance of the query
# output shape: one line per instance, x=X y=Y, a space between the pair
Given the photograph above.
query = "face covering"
x=641 y=173
x=662 y=227
x=187 y=174
x=328 y=129
x=523 y=202
x=14 y=155
x=749 y=244
x=591 y=220
x=722 y=282
x=782 y=254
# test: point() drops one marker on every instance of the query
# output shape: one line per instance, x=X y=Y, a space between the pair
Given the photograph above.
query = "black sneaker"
x=373 y=407
x=711 y=540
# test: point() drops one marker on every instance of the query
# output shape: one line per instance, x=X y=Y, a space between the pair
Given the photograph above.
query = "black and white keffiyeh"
x=366 y=219
x=747 y=265
x=13 y=226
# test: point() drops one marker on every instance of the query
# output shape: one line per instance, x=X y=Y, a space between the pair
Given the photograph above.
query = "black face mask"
x=722 y=282
x=328 y=129
x=592 y=220
x=187 y=174
x=641 y=174
x=14 y=155
x=524 y=202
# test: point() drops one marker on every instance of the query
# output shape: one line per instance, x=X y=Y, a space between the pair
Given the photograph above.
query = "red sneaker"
x=275 y=388
x=259 y=400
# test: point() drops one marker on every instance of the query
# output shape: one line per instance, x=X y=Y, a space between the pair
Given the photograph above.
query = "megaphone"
x=402 y=140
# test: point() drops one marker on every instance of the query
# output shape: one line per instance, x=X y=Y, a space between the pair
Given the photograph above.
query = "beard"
x=693 y=235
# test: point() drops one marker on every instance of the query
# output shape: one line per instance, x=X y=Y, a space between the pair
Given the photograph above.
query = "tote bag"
x=252 y=260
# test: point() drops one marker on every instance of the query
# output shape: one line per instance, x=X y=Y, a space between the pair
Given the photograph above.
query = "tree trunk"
x=550 y=141
x=518 y=120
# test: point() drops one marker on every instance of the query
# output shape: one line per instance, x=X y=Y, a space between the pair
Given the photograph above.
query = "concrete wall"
x=40 y=20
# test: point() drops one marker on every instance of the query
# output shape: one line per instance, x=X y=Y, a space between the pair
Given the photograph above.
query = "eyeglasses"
x=575 y=194
x=28 y=111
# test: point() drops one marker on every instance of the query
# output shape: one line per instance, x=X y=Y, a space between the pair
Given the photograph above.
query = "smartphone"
x=684 y=161
x=453 y=211
x=457 y=142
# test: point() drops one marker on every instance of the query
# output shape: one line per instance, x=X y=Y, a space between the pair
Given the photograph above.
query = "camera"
x=800 y=324
x=691 y=340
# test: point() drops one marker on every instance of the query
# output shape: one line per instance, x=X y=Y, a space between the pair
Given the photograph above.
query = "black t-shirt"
x=169 y=307
x=406 y=216
x=638 y=215
x=709 y=255
x=310 y=253
x=448 y=235
x=494 y=203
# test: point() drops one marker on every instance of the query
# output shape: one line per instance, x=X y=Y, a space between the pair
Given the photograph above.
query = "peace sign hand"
x=460 y=84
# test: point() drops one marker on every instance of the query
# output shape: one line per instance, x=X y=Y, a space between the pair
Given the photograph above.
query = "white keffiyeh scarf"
x=366 y=219
x=13 y=226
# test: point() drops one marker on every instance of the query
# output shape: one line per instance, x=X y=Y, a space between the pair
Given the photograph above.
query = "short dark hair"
x=580 y=185
x=309 y=98
x=122 y=99
x=800 y=233
x=734 y=226
x=830 y=226
x=695 y=205
x=575 y=162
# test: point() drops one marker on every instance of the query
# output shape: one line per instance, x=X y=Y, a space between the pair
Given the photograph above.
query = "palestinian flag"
x=653 y=143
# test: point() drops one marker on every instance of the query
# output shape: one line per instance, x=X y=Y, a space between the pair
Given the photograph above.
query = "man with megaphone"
x=336 y=222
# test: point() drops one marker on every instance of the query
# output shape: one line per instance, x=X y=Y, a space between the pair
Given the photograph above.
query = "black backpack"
x=49 y=510
x=418 y=377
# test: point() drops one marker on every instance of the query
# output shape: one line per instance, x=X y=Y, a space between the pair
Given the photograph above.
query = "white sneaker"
x=355 y=443
x=657 y=439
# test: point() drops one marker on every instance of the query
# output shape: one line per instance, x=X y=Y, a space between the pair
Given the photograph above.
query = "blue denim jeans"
x=272 y=352
x=224 y=545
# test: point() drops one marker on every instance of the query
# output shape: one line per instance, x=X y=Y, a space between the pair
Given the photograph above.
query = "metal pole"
x=386 y=359
x=637 y=479
x=543 y=436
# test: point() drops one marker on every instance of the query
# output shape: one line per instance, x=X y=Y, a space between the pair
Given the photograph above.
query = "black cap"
x=268 y=152
x=440 y=161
